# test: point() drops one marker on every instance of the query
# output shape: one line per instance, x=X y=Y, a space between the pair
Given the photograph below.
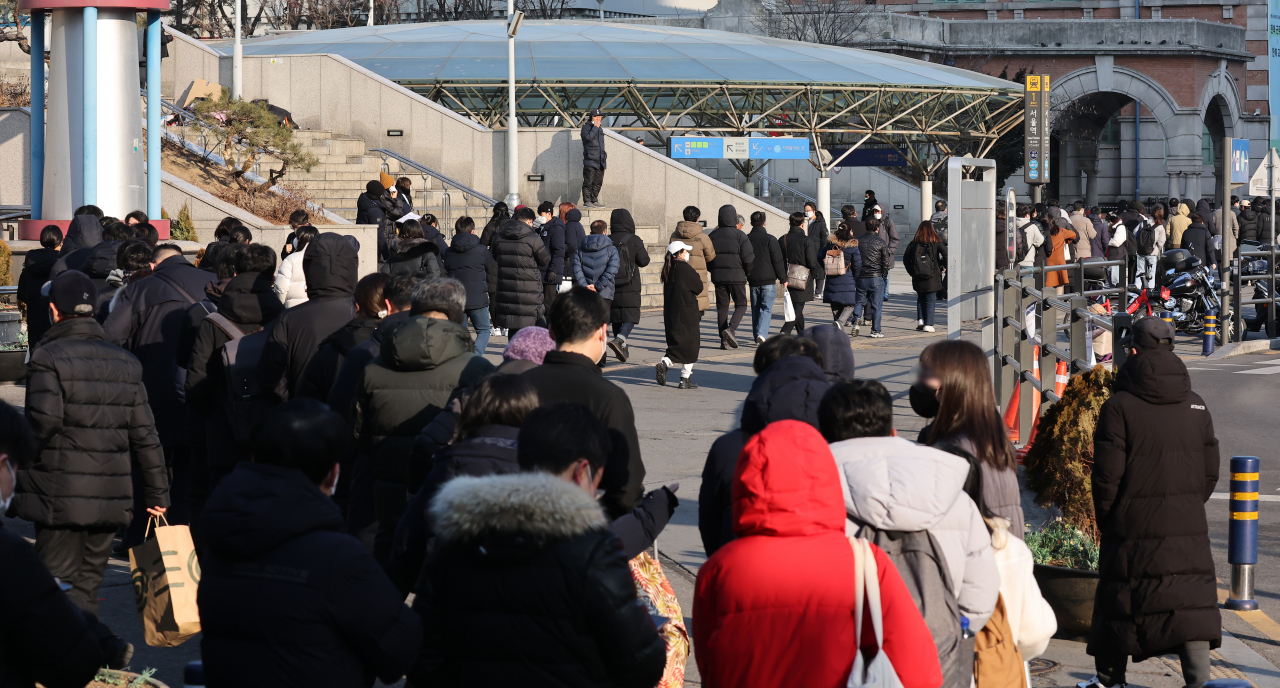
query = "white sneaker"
x=1095 y=683
x=928 y=328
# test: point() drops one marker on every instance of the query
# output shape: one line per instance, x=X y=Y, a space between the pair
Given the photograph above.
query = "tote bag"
x=879 y=672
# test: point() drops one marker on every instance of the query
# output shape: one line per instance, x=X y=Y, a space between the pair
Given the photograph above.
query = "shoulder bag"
x=879 y=672
x=796 y=273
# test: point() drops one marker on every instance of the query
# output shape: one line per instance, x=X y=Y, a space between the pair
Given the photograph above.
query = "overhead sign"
x=870 y=157
x=1239 y=161
x=740 y=148
x=1258 y=183
x=1035 y=128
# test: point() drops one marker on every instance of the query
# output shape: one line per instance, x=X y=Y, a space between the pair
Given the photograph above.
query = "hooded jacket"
x=1250 y=228
x=552 y=233
x=768 y=268
x=880 y=478
x=374 y=209
x=527 y=586
x=700 y=257
x=83 y=234
x=734 y=254
x=1229 y=223
x=87 y=406
x=330 y=266
x=1178 y=224
x=521 y=256
x=573 y=231
x=843 y=288
x=790 y=574
x=626 y=297
x=409 y=257
x=35 y=272
x=323 y=369
x=1155 y=465
x=1198 y=240
x=470 y=263
x=837 y=352
x=291 y=284
x=1206 y=216
x=596 y=265
x=275 y=550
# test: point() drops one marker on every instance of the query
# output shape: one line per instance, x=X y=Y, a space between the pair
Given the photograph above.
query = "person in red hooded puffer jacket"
x=775 y=607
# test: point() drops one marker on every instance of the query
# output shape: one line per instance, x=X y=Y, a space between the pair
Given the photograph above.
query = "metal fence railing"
x=447 y=185
x=1256 y=268
x=791 y=200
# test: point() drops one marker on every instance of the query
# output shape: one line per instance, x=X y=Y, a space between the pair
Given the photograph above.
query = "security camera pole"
x=513 y=148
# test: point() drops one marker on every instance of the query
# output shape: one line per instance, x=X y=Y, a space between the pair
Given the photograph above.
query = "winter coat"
x=889 y=233
x=433 y=234
x=680 y=313
x=410 y=257
x=596 y=265
x=1206 y=216
x=573 y=231
x=837 y=351
x=1100 y=238
x=87 y=406
x=817 y=229
x=43 y=637
x=1230 y=222
x=147 y=322
x=1083 y=227
x=323 y=369
x=552 y=234
x=1031 y=620
x=1197 y=240
x=526 y=585
x=275 y=551
x=422 y=363
x=1178 y=224
x=473 y=265
x=521 y=257
x=798 y=250
x=923 y=284
x=1250 y=229
x=1000 y=491
x=84 y=232
x=1155 y=464
x=873 y=468
x=565 y=376
x=1035 y=239
x=735 y=256
x=768 y=268
x=789 y=575
x=877 y=259
x=290 y=283
x=593 y=153
x=342 y=395
x=373 y=211
x=1058 y=278
x=1002 y=240
x=330 y=267
x=700 y=257
x=35 y=272
x=626 y=297
x=843 y=289
x=791 y=388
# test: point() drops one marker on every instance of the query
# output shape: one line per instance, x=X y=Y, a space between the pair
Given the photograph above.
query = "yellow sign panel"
x=1033 y=83
x=1044 y=83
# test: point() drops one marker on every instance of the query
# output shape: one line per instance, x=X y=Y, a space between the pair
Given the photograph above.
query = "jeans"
x=479 y=318
x=723 y=293
x=1193 y=653
x=926 y=303
x=623 y=330
x=1146 y=275
x=762 y=299
x=870 y=292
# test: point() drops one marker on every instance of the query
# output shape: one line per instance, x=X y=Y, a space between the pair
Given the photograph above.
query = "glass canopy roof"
x=588 y=51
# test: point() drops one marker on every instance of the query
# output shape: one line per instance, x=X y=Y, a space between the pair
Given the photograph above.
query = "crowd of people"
x=337 y=449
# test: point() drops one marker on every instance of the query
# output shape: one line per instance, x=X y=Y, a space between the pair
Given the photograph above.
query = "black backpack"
x=1019 y=243
x=245 y=404
x=626 y=265
x=924 y=262
x=1146 y=240
x=1131 y=236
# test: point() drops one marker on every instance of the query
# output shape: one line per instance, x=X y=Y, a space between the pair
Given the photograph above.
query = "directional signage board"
x=779 y=148
x=697 y=147
x=1035 y=127
x=736 y=147
x=1259 y=184
x=1239 y=161
x=740 y=148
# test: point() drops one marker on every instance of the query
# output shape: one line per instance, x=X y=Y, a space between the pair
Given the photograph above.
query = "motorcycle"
x=1261 y=288
x=1188 y=292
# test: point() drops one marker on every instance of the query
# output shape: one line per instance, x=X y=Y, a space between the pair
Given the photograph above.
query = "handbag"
x=834 y=264
x=788 y=308
x=879 y=672
x=659 y=598
x=796 y=274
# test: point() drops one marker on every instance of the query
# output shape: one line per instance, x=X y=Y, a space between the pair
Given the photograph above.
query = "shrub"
x=237 y=124
x=1059 y=543
x=181 y=228
x=6 y=265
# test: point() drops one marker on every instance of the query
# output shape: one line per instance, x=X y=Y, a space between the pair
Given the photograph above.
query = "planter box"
x=13 y=366
x=10 y=325
x=1071 y=593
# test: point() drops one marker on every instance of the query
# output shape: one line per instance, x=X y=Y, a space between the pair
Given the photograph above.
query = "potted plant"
x=110 y=678
x=1059 y=469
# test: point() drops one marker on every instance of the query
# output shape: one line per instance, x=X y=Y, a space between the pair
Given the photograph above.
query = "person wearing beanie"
x=552 y=230
x=526 y=350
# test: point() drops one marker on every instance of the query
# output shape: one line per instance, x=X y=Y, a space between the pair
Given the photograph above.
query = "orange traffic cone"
x=1011 y=413
x=1035 y=404
x=1061 y=378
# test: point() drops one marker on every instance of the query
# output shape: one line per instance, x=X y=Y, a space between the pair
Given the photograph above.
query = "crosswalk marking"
x=1271 y=370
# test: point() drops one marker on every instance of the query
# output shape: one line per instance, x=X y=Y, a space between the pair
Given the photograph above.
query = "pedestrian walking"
x=412 y=253
x=871 y=282
x=527 y=563
x=790 y=574
x=1178 y=224
x=889 y=235
x=291 y=283
x=35 y=272
x=939 y=219
x=86 y=401
x=521 y=258
x=624 y=311
x=767 y=270
x=468 y=262
x=578 y=325
x=734 y=258
x=371 y=308
x=595 y=265
x=594 y=158
x=802 y=266
x=842 y=263
x=689 y=230
x=1155 y=466
x=816 y=227
x=869 y=204
x=926 y=261
x=552 y=231
x=292 y=598
x=1150 y=243
x=680 y=290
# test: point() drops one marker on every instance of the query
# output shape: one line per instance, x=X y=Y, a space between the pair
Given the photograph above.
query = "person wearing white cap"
x=681 y=286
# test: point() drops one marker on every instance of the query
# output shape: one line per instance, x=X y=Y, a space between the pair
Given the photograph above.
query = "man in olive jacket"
x=1155 y=465
x=88 y=409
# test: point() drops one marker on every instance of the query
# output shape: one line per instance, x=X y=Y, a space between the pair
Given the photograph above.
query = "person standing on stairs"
x=593 y=159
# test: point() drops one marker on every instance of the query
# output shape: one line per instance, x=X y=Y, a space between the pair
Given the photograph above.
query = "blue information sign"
x=1239 y=161
x=759 y=148
x=697 y=147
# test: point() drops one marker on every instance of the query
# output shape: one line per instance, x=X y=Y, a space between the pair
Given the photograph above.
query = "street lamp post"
x=237 y=60
x=601 y=9
x=371 y=2
x=514 y=17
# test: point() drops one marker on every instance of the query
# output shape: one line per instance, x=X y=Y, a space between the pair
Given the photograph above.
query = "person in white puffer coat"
x=291 y=283
x=1031 y=619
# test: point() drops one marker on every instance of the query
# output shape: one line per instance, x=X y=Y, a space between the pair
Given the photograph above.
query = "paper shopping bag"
x=788 y=308
x=165 y=574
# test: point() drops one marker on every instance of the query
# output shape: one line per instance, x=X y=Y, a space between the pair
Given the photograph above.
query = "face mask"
x=877 y=216
x=295 y=244
x=808 y=213
x=924 y=401
x=5 y=501
x=538 y=221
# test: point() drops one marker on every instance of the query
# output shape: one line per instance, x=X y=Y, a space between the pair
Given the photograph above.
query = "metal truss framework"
x=928 y=124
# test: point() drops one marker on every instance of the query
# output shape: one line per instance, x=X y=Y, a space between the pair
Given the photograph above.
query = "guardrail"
x=1264 y=285
x=801 y=195
x=14 y=212
x=446 y=200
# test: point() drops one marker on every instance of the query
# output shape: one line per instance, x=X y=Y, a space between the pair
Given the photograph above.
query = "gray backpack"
x=923 y=568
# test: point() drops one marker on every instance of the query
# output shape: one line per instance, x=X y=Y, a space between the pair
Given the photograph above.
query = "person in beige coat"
x=1177 y=225
x=1084 y=230
x=690 y=231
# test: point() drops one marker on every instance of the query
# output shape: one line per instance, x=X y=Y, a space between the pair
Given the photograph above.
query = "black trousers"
x=1195 y=665
x=591 y=181
x=549 y=294
x=738 y=292
x=78 y=556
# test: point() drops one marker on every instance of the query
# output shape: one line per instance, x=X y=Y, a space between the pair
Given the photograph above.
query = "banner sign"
x=1035 y=128
x=1239 y=161
x=740 y=148
x=870 y=157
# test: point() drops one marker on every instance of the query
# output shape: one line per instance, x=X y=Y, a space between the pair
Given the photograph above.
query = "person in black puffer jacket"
x=88 y=409
x=521 y=257
x=1198 y=240
x=552 y=231
x=35 y=272
x=527 y=562
x=412 y=253
x=83 y=234
x=371 y=305
x=376 y=207
x=734 y=260
x=790 y=385
x=573 y=230
x=1250 y=230
x=877 y=260
x=624 y=310
x=471 y=264
x=431 y=231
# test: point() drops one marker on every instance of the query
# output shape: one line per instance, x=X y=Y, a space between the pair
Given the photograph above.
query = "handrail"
x=805 y=196
x=434 y=175
x=14 y=212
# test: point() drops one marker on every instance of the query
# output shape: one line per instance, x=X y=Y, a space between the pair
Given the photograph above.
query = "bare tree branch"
x=828 y=22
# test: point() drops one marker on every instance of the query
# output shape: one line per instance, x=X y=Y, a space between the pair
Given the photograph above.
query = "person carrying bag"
x=166 y=575
x=879 y=671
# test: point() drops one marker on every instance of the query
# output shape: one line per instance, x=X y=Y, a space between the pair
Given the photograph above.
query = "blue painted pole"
x=153 y=114
x=37 y=115
x=90 y=108
x=1242 y=532
x=1210 y=332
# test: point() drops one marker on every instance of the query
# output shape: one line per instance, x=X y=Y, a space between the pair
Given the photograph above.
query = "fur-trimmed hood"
x=538 y=505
